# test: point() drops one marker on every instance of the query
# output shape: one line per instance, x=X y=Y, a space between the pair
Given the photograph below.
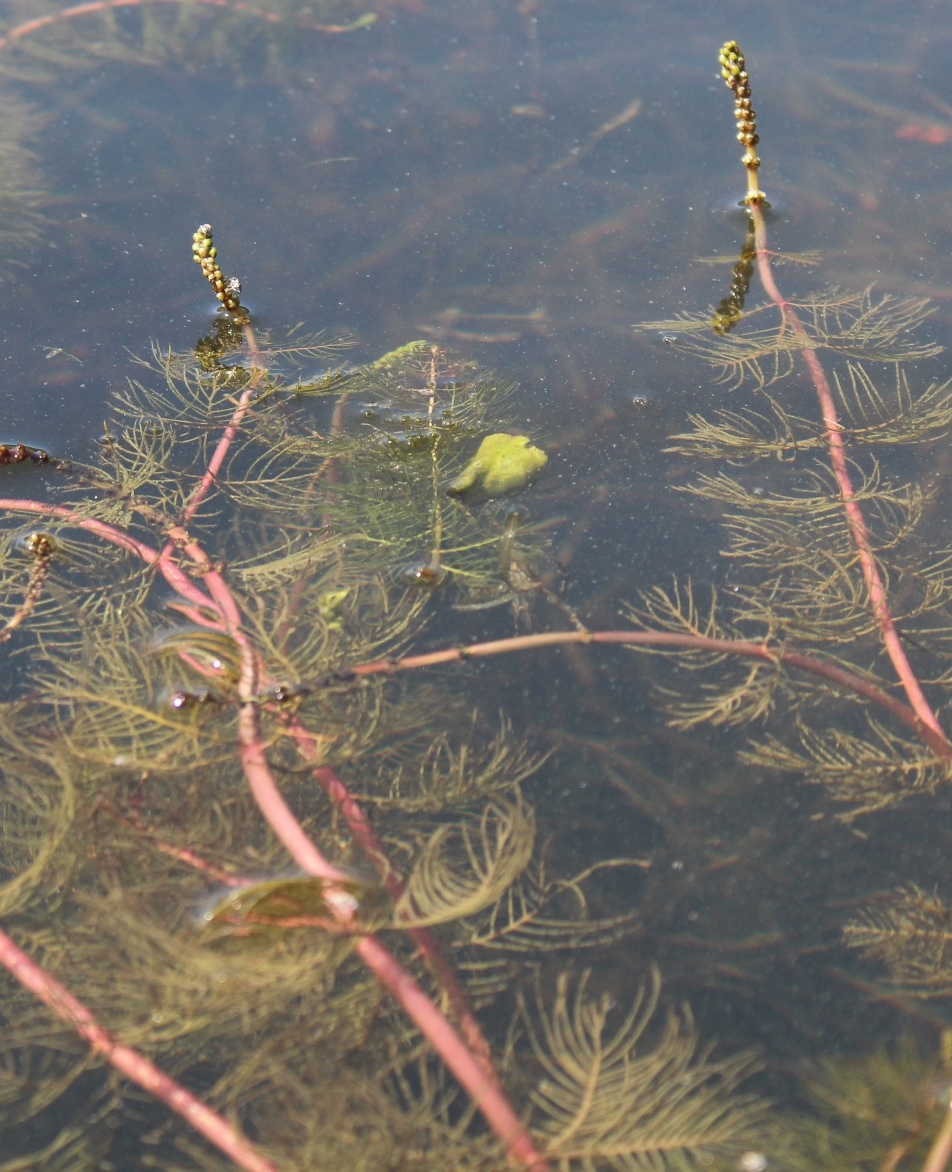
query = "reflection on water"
x=451 y=189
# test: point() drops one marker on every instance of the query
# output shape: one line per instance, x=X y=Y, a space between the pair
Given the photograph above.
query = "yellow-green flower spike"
x=227 y=289
x=734 y=72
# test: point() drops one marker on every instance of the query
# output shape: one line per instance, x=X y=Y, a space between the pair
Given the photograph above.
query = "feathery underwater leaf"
x=612 y=1095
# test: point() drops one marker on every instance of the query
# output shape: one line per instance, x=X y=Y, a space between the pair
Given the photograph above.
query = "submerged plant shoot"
x=301 y=867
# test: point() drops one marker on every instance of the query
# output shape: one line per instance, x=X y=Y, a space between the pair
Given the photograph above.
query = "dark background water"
x=418 y=178
x=451 y=173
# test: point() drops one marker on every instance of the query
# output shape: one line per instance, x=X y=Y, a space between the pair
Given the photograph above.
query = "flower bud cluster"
x=734 y=72
x=227 y=289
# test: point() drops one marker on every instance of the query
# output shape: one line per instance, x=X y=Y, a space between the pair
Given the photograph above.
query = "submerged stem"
x=941 y=1151
x=129 y=1062
x=847 y=680
x=854 y=514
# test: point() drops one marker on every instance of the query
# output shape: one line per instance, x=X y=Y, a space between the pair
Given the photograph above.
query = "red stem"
x=486 y=1093
x=423 y=937
x=941 y=1150
x=180 y=582
x=763 y=651
x=818 y=667
x=468 y=1067
x=472 y=1068
x=90 y=9
x=854 y=515
x=129 y=1062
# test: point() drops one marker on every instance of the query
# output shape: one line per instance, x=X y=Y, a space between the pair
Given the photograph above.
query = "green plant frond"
x=140 y=450
x=198 y=388
x=744 y=697
x=370 y=1117
x=897 y=417
x=22 y=192
x=785 y=542
x=757 y=357
x=816 y=495
x=872 y=417
x=392 y=394
x=732 y=691
x=809 y=258
x=397 y=357
x=609 y=1095
x=283 y=558
x=868 y=773
x=449 y=774
x=378 y=484
x=83 y=1142
x=677 y=610
x=868 y=1112
x=31 y=1080
x=825 y=605
x=868 y=327
x=112 y=709
x=466 y=866
x=87 y=580
x=37 y=812
x=742 y=436
x=285 y=480
x=232 y=40
x=540 y=913
x=909 y=932
x=187 y=399
x=420 y=1090
x=856 y=325
x=164 y=986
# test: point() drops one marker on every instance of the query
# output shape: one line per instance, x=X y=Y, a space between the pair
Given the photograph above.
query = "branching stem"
x=854 y=514
x=847 y=680
x=129 y=1062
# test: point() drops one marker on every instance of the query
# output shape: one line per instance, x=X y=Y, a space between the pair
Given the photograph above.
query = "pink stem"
x=807 y=663
x=854 y=514
x=467 y=1066
x=89 y=9
x=928 y=732
x=423 y=937
x=173 y=574
x=485 y=1092
x=941 y=1150
x=129 y=1062
x=108 y=532
x=228 y=435
x=179 y=853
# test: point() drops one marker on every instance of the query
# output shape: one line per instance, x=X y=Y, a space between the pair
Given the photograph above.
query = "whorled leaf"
x=612 y=1095
x=465 y=866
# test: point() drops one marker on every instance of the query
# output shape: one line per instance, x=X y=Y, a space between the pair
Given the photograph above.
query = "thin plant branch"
x=29 y=27
x=734 y=72
x=135 y=1066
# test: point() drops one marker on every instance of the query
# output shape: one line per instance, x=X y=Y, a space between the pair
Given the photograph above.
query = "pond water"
x=546 y=190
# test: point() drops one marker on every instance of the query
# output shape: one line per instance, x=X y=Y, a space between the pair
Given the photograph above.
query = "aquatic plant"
x=130 y=736
x=164 y=757
x=830 y=561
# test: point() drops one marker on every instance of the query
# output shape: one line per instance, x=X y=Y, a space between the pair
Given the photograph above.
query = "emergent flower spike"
x=734 y=72
x=227 y=289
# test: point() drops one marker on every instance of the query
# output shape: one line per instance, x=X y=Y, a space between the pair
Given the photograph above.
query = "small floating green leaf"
x=503 y=464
